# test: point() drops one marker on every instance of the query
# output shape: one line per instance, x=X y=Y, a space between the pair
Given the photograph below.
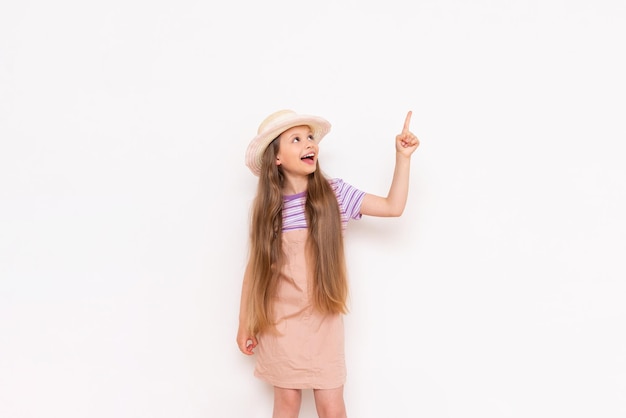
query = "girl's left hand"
x=406 y=141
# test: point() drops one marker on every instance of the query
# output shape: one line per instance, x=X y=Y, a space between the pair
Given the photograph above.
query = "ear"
x=277 y=160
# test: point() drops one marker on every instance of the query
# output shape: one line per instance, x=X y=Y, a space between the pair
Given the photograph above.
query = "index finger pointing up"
x=407 y=121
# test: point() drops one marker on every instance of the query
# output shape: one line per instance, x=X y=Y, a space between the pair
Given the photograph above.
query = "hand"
x=406 y=142
x=245 y=341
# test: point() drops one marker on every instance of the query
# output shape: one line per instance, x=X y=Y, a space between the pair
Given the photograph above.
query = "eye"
x=311 y=138
x=296 y=139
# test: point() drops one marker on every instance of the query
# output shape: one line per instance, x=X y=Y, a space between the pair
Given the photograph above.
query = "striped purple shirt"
x=348 y=197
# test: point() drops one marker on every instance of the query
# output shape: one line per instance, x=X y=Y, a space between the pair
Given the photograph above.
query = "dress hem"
x=300 y=385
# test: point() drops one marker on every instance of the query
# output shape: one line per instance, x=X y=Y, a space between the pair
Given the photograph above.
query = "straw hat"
x=274 y=125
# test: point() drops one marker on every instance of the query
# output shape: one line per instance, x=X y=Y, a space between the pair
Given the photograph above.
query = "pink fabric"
x=308 y=350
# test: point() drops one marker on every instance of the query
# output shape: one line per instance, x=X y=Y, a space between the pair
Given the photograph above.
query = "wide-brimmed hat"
x=274 y=125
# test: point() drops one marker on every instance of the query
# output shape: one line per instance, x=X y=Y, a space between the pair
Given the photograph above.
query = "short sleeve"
x=349 y=199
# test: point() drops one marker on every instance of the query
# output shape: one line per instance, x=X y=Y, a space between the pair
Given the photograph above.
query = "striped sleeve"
x=349 y=199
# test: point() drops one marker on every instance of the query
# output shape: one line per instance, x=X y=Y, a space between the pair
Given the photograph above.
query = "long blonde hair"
x=325 y=244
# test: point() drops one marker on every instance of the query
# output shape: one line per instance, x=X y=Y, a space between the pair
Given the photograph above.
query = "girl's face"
x=298 y=151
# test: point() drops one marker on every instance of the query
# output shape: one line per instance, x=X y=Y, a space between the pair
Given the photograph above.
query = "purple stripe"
x=348 y=197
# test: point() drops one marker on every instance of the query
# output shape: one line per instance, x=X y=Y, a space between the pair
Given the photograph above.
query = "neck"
x=294 y=185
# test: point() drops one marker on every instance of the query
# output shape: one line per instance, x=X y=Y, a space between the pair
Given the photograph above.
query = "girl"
x=295 y=286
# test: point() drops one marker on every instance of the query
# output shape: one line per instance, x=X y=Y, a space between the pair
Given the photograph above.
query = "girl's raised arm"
x=394 y=203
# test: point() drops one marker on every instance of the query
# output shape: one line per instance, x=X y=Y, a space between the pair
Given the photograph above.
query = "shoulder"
x=340 y=186
x=345 y=191
x=335 y=183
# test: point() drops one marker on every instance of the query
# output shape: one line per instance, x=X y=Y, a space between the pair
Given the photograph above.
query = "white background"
x=124 y=202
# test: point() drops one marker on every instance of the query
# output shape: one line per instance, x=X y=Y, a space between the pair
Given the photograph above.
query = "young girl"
x=295 y=286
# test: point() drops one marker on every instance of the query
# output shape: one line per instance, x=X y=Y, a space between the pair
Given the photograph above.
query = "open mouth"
x=308 y=157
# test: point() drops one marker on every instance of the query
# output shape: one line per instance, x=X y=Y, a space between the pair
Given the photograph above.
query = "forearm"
x=245 y=339
x=393 y=204
x=399 y=189
x=245 y=295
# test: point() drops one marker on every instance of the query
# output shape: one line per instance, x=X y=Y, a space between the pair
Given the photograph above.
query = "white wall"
x=124 y=202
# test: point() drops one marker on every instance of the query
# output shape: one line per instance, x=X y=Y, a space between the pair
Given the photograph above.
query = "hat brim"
x=254 y=154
